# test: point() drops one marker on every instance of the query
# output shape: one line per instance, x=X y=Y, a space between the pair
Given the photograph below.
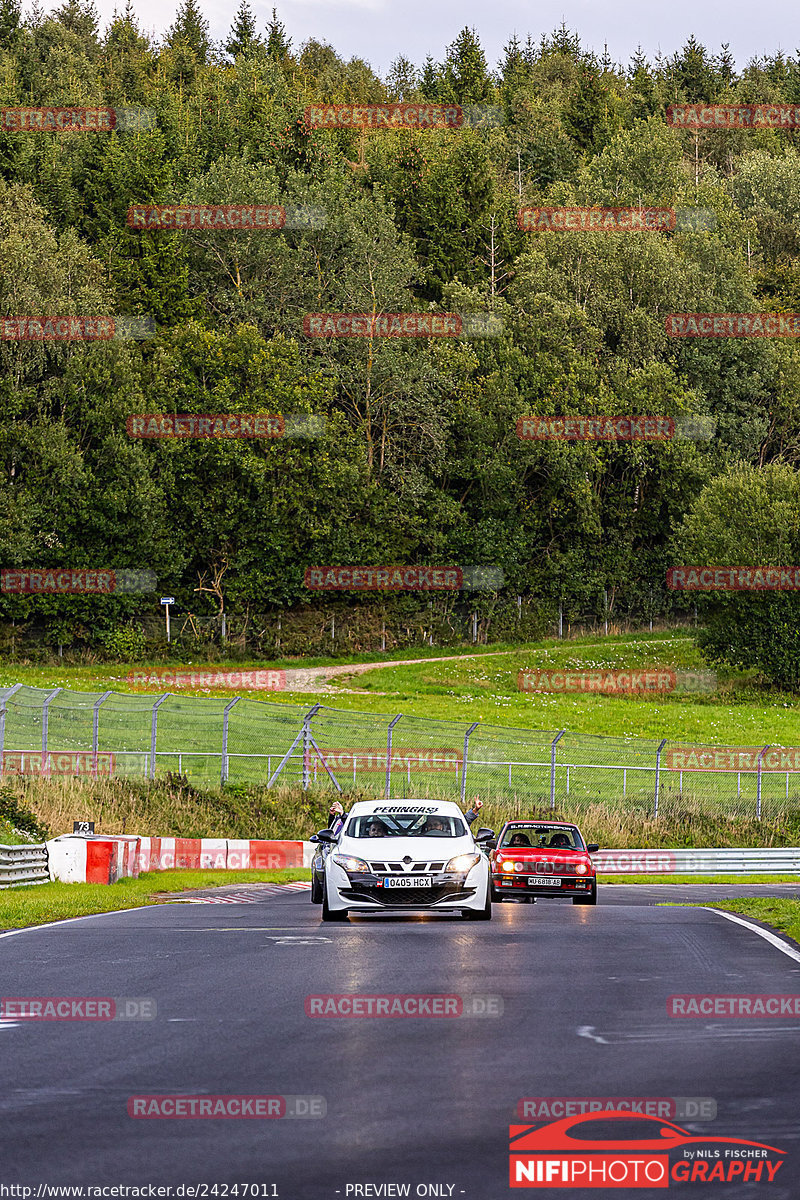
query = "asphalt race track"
x=418 y=1101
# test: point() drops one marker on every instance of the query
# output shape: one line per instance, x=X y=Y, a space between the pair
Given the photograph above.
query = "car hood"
x=395 y=849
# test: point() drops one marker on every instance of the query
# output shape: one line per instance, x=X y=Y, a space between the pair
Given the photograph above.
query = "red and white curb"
x=75 y=858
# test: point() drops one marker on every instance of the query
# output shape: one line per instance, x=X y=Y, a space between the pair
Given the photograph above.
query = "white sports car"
x=405 y=854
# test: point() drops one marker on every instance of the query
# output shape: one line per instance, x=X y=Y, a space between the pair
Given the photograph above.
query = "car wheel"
x=328 y=914
x=590 y=899
x=316 y=888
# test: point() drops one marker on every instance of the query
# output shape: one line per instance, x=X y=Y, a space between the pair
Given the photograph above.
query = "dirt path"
x=314 y=679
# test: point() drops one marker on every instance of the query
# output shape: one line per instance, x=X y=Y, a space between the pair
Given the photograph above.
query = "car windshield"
x=541 y=835
x=430 y=825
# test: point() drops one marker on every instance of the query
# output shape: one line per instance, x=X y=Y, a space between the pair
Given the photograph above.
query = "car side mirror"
x=314 y=837
x=483 y=834
x=592 y=847
x=327 y=836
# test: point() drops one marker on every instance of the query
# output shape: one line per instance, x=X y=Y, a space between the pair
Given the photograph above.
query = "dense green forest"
x=419 y=461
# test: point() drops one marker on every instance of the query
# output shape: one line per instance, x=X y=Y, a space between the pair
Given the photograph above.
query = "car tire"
x=316 y=889
x=329 y=914
x=590 y=899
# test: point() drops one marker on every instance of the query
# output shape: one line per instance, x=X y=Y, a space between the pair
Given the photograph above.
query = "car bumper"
x=569 y=887
x=448 y=892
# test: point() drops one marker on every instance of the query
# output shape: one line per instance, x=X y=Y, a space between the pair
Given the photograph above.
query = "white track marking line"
x=772 y=938
x=113 y=912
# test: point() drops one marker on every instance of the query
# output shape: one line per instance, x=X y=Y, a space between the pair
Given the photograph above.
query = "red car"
x=543 y=858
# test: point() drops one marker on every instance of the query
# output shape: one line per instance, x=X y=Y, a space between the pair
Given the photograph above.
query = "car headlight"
x=353 y=866
x=520 y=866
x=463 y=863
x=507 y=866
x=581 y=869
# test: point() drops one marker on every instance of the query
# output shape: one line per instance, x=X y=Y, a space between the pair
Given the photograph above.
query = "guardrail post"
x=658 y=774
x=223 y=778
x=758 y=782
x=553 y=745
x=392 y=724
x=153 y=732
x=307 y=742
x=3 y=706
x=96 y=729
x=466 y=759
x=45 y=717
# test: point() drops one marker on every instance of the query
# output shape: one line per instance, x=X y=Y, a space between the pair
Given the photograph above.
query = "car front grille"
x=424 y=868
x=410 y=897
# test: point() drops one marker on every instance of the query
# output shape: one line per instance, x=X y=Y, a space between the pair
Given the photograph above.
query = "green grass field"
x=452 y=693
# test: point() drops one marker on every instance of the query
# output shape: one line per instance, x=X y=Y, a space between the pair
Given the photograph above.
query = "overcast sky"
x=379 y=30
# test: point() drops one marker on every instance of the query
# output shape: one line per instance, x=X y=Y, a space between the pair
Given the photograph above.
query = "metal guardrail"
x=782 y=860
x=21 y=866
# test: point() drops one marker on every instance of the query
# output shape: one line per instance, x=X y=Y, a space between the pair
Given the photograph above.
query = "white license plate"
x=408 y=881
x=543 y=881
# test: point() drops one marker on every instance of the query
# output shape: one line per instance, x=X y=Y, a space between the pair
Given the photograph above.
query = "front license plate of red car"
x=543 y=881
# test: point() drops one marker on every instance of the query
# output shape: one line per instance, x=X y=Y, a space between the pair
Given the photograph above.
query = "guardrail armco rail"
x=23 y=865
x=782 y=860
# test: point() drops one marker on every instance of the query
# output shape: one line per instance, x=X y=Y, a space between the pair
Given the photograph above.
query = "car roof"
x=445 y=808
x=539 y=821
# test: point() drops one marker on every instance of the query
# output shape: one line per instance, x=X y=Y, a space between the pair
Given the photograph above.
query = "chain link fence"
x=214 y=741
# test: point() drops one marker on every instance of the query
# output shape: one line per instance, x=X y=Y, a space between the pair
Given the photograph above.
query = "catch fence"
x=56 y=732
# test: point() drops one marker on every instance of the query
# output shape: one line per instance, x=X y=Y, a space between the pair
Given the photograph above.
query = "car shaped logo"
x=596 y=1131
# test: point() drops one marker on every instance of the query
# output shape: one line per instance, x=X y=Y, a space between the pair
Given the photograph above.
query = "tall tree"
x=243 y=35
x=278 y=44
x=190 y=32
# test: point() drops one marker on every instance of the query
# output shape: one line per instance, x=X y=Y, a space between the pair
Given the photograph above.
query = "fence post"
x=658 y=774
x=45 y=718
x=553 y=745
x=153 y=731
x=306 y=740
x=3 y=705
x=392 y=724
x=472 y=727
x=96 y=729
x=223 y=778
x=758 y=782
